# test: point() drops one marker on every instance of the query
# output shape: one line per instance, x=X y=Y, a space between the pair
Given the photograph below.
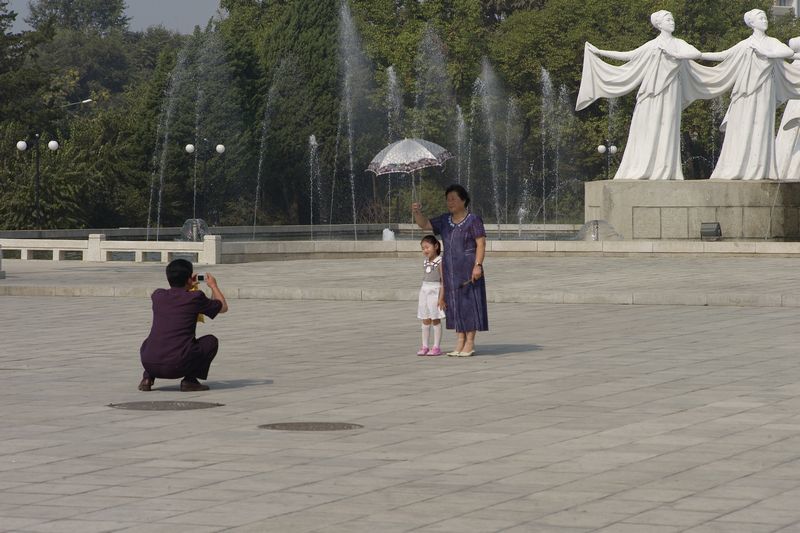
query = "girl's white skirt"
x=429 y=301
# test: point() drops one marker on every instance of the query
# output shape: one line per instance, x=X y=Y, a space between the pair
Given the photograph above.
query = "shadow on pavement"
x=216 y=385
x=505 y=349
x=237 y=383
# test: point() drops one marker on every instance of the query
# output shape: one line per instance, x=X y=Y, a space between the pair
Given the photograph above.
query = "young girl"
x=431 y=297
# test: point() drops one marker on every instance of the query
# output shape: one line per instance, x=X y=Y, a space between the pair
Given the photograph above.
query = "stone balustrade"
x=97 y=249
x=213 y=250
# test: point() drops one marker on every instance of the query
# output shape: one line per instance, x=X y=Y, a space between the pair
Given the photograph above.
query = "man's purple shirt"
x=172 y=334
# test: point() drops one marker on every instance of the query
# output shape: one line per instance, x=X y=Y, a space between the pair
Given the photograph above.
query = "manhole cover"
x=164 y=405
x=311 y=426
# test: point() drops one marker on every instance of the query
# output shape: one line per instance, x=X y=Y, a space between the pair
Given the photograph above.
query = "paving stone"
x=571 y=418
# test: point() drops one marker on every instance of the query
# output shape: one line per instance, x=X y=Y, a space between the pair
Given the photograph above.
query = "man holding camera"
x=171 y=350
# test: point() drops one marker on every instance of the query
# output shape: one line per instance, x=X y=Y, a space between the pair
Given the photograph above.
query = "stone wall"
x=675 y=209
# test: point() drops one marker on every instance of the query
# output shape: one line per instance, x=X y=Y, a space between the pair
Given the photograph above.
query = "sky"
x=178 y=15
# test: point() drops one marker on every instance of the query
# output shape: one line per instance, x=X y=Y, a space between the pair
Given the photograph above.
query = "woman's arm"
x=421 y=220
x=442 y=302
x=480 y=253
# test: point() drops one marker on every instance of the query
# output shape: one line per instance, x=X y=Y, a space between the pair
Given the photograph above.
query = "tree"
x=99 y=16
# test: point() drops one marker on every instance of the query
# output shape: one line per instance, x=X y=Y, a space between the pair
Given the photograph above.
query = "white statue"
x=760 y=80
x=659 y=68
x=787 y=143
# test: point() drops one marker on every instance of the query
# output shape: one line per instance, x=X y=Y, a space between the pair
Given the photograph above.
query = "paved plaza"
x=571 y=418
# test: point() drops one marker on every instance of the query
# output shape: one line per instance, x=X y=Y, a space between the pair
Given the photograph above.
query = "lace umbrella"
x=407 y=156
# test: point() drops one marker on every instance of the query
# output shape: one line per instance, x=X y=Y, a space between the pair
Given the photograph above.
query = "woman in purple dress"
x=464 y=240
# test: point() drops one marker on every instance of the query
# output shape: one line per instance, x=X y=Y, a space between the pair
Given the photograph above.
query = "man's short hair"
x=178 y=272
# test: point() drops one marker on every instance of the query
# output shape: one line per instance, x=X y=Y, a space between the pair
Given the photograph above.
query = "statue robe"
x=787 y=143
x=660 y=69
x=759 y=83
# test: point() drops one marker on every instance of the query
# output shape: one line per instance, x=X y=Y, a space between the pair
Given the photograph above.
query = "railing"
x=97 y=248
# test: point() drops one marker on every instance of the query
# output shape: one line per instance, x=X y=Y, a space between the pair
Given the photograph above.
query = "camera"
x=201 y=277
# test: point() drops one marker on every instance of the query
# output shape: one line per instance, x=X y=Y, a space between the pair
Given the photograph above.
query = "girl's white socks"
x=425 y=333
x=437 y=334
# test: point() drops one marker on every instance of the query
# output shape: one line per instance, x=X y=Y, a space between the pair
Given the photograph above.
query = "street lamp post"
x=52 y=146
x=609 y=149
x=206 y=152
x=23 y=146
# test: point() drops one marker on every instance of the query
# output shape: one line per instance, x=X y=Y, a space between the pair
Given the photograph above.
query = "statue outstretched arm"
x=780 y=52
x=715 y=56
x=619 y=56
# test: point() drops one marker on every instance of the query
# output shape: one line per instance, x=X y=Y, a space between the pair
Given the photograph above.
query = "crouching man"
x=171 y=350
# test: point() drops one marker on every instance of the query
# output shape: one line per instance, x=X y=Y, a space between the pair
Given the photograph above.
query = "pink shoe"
x=435 y=351
x=423 y=351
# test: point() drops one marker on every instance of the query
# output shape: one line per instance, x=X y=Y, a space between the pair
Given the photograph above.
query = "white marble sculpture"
x=660 y=69
x=787 y=143
x=760 y=80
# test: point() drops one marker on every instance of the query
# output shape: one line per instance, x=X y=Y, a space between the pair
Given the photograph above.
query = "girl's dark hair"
x=430 y=239
x=460 y=191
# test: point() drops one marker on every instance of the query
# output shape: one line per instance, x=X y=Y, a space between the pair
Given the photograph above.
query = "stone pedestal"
x=675 y=209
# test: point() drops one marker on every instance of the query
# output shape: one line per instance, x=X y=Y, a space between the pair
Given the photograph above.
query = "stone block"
x=334 y=246
x=376 y=246
x=756 y=222
x=408 y=245
x=394 y=295
x=627 y=246
x=729 y=247
x=546 y=246
x=674 y=223
x=745 y=300
x=533 y=297
x=669 y=298
x=513 y=246
x=791 y=223
x=646 y=223
x=95 y=251
x=212 y=250
x=296 y=247
x=730 y=221
x=781 y=248
x=678 y=247
x=598 y=298
x=787 y=300
x=578 y=246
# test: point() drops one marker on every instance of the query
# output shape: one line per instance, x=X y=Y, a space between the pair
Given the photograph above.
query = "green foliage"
x=79 y=15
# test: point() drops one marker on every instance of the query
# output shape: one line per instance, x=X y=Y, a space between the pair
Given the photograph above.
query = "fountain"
x=355 y=74
x=265 y=121
x=176 y=79
x=490 y=95
x=513 y=137
x=394 y=117
x=461 y=134
x=199 y=79
x=545 y=127
x=433 y=101
x=313 y=176
x=394 y=106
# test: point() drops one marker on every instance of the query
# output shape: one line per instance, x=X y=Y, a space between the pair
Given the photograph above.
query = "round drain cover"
x=164 y=405
x=311 y=426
